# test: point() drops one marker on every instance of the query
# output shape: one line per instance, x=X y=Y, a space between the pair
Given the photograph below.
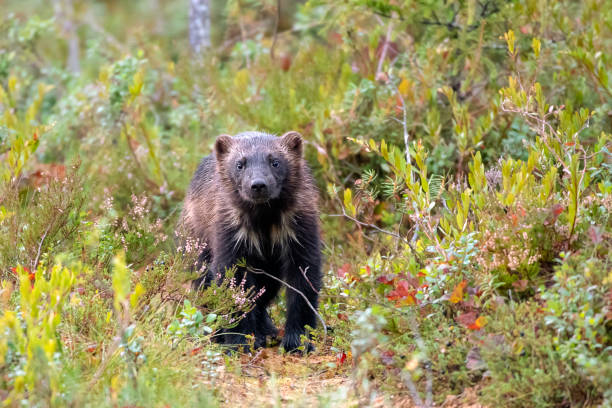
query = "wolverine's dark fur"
x=254 y=199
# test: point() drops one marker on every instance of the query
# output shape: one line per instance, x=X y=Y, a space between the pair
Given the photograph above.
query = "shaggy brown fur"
x=255 y=199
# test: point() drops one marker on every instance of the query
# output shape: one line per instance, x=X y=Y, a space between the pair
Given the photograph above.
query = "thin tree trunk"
x=64 y=14
x=199 y=25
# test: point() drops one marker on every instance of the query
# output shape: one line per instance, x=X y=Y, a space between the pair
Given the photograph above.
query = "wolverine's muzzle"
x=259 y=190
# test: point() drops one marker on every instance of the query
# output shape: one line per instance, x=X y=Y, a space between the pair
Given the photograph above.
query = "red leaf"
x=344 y=270
x=387 y=357
x=466 y=319
x=285 y=62
x=471 y=321
x=478 y=324
x=557 y=209
x=341 y=358
x=386 y=279
x=403 y=293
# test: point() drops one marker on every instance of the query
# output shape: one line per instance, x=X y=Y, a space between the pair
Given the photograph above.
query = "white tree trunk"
x=199 y=25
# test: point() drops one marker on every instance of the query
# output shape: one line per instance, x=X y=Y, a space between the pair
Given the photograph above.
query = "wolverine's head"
x=258 y=165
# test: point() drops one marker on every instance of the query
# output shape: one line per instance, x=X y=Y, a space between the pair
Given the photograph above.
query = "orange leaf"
x=457 y=294
x=478 y=323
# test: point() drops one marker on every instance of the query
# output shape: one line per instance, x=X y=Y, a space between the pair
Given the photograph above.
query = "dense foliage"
x=462 y=150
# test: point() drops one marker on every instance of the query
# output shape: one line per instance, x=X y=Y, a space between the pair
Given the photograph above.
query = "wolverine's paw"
x=269 y=329
x=260 y=342
x=236 y=342
x=292 y=344
x=200 y=283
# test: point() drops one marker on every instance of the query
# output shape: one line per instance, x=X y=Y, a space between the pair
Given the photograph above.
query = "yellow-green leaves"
x=137 y=84
x=23 y=130
x=121 y=281
x=135 y=297
x=33 y=333
x=348 y=202
x=536 y=45
x=476 y=177
x=510 y=39
x=124 y=300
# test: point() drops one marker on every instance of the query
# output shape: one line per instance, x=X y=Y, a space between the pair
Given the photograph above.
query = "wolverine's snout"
x=259 y=190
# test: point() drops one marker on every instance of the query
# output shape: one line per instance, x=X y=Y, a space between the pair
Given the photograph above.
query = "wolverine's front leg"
x=303 y=274
x=225 y=258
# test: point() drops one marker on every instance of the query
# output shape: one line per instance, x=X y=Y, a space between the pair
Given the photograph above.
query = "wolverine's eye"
x=239 y=165
x=275 y=163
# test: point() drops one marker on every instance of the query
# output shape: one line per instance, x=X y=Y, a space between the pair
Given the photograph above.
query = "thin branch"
x=262 y=272
x=377 y=228
x=406 y=136
x=385 y=48
x=35 y=265
x=306 y=277
x=365 y=224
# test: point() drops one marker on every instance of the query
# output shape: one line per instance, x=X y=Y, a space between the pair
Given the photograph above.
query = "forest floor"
x=272 y=379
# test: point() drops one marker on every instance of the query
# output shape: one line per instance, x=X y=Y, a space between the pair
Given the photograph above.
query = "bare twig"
x=306 y=277
x=377 y=228
x=365 y=224
x=35 y=265
x=385 y=48
x=405 y=128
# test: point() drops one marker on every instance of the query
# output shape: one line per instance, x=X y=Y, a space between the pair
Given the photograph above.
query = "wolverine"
x=253 y=202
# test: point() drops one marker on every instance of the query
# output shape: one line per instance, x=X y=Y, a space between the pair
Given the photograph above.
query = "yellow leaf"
x=241 y=80
x=481 y=322
x=348 y=197
x=457 y=294
x=536 y=45
x=139 y=290
x=510 y=38
x=405 y=88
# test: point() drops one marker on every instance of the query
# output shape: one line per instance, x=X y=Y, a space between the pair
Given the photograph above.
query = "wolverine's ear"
x=222 y=145
x=293 y=141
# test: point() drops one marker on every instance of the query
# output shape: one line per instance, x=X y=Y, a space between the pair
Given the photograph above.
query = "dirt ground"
x=268 y=378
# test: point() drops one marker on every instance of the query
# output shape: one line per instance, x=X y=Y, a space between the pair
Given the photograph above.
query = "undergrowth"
x=462 y=151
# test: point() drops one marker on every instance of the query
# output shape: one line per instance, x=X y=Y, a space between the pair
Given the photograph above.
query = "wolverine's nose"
x=258 y=186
